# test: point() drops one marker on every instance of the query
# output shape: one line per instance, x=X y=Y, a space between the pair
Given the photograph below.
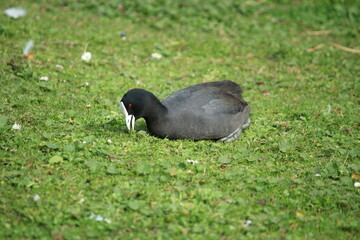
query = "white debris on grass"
x=60 y=67
x=192 y=161
x=328 y=109
x=15 y=12
x=247 y=223
x=139 y=83
x=36 y=197
x=44 y=78
x=99 y=218
x=357 y=184
x=29 y=44
x=317 y=175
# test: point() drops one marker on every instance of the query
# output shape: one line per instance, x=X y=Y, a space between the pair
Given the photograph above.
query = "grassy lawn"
x=74 y=172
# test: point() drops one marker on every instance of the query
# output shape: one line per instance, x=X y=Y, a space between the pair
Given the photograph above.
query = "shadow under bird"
x=205 y=111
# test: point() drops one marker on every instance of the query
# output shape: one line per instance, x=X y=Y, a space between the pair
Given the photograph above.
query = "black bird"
x=212 y=110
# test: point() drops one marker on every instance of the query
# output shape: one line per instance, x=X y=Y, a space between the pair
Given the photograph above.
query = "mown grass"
x=307 y=124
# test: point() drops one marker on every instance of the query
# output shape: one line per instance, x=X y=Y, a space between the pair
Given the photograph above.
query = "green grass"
x=307 y=125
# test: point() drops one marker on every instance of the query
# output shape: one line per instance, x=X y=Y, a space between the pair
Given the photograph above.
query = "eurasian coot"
x=212 y=110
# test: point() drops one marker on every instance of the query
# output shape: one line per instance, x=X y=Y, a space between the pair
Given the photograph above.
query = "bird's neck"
x=155 y=110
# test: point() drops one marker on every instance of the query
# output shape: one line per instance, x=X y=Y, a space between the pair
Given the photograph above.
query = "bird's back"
x=208 y=98
x=205 y=111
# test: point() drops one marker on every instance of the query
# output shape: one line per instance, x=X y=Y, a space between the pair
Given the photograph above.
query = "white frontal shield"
x=130 y=119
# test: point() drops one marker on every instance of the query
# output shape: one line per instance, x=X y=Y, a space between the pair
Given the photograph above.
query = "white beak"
x=130 y=119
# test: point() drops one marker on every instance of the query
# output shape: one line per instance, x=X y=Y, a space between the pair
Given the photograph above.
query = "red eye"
x=130 y=106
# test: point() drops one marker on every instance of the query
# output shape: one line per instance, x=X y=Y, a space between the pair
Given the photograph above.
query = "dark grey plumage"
x=212 y=110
